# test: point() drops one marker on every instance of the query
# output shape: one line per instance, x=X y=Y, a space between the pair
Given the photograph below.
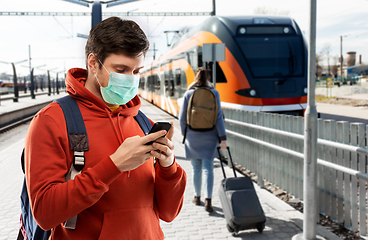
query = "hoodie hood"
x=75 y=81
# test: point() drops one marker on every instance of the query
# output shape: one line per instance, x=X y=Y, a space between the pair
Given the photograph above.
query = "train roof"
x=233 y=22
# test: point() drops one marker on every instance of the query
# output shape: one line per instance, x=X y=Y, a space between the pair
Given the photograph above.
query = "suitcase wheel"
x=234 y=230
x=230 y=229
x=260 y=227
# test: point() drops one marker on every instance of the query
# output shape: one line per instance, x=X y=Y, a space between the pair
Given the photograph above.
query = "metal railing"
x=271 y=146
x=331 y=82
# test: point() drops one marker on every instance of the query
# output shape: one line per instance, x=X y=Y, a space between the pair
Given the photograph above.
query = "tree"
x=319 y=58
x=271 y=11
x=325 y=52
x=335 y=65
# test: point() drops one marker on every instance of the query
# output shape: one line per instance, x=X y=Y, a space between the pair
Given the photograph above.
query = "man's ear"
x=92 y=62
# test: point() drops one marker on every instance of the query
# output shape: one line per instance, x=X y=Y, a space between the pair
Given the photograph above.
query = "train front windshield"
x=273 y=56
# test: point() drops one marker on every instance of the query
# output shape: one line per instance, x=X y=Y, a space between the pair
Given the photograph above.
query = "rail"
x=271 y=146
x=300 y=155
x=300 y=137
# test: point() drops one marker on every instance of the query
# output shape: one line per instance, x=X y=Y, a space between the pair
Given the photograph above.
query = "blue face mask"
x=121 y=88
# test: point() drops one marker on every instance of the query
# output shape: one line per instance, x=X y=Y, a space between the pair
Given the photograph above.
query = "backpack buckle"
x=78 y=160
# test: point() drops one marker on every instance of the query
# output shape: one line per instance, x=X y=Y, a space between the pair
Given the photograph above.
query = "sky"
x=54 y=45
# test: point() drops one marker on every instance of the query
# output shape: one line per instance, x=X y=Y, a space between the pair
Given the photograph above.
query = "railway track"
x=15 y=114
x=15 y=124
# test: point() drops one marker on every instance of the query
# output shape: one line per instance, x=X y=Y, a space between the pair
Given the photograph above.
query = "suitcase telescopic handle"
x=231 y=160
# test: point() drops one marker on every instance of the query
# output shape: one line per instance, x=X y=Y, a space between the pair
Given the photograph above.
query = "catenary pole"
x=213 y=13
x=310 y=140
x=310 y=137
x=214 y=60
x=341 y=61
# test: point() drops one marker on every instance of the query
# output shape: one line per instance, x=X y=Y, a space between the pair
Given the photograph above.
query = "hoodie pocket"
x=142 y=223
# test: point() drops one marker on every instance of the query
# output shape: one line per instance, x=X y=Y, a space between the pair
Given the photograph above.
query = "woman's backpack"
x=202 y=110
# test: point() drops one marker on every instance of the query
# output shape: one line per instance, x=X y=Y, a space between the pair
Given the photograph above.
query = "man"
x=120 y=193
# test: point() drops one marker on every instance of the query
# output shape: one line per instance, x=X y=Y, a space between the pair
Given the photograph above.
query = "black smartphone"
x=159 y=126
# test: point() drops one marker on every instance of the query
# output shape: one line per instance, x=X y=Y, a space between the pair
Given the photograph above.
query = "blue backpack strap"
x=78 y=141
x=143 y=122
x=76 y=129
x=75 y=123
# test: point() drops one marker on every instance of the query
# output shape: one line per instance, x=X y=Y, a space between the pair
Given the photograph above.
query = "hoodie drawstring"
x=120 y=140
x=119 y=132
x=119 y=125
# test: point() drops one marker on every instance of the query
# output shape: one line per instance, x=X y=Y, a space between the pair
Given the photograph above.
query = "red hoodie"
x=110 y=204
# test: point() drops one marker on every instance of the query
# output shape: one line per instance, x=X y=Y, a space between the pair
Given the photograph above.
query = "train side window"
x=200 y=62
x=172 y=93
x=220 y=76
x=178 y=77
x=150 y=82
x=154 y=83
x=141 y=83
x=157 y=83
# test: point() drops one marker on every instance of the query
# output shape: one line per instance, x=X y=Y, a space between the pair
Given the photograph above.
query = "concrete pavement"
x=344 y=110
x=345 y=92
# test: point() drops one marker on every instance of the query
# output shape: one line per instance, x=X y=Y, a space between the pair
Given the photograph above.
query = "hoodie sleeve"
x=169 y=190
x=47 y=161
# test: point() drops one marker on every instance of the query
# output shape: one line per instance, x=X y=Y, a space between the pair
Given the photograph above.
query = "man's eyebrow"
x=124 y=66
x=119 y=65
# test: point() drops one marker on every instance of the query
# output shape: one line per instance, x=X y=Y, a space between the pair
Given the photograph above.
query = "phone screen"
x=159 y=126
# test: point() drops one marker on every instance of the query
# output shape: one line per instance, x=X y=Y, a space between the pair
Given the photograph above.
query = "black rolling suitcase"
x=240 y=202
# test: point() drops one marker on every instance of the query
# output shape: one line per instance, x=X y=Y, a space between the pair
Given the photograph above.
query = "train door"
x=200 y=60
x=220 y=76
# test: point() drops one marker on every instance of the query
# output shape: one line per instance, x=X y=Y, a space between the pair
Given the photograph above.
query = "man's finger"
x=170 y=134
x=153 y=136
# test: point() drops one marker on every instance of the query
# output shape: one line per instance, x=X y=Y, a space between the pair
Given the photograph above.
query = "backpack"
x=202 y=110
x=29 y=229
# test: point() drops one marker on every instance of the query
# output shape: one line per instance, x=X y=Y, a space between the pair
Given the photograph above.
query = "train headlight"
x=252 y=92
x=242 y=30
x=286 y=30
x=305 y=90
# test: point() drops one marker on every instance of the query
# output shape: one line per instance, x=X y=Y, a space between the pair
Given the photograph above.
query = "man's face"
x=119 y=63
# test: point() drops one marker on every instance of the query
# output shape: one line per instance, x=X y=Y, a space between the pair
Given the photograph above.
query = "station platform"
x=24 y=101
x=11 y=111
x=193 y=222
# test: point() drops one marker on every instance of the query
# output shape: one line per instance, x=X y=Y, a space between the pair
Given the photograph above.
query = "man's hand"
x=133 y=152
x=164 y=148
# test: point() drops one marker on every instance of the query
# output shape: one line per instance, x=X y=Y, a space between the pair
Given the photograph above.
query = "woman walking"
x=201 y=146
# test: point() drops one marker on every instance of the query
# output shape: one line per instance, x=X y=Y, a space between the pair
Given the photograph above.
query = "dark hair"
x=115 y=35
x=201 y=76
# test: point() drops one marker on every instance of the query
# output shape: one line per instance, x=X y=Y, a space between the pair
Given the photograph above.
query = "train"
x=265 y=67
x=7 y=86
